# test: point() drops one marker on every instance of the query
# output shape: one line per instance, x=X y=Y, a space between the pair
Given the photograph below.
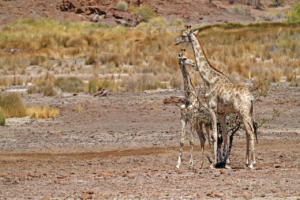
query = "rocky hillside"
x=106 y=12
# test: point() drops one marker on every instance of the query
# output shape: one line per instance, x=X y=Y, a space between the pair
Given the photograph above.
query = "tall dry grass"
x=266 y=52
x=12 y=105
x=42 y=112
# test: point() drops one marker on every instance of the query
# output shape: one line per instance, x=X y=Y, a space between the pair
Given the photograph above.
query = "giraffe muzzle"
x=177 y=42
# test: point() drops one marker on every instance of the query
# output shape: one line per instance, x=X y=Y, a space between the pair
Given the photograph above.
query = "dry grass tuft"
x=78 y=108
x=2 y=118
x=42 y=112
x=71 y=84
x=12 y=105
x=142 y=83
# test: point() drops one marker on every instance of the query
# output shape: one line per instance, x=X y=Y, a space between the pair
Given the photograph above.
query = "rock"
x=101 y=93
x=214 y=195
x=124 y=18
x=95 y=18
x=46 y=197
x=90 y=192
x=247 y=195
x=222 y=171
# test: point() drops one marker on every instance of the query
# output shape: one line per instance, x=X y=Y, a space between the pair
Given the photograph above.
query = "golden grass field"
x=144 y=57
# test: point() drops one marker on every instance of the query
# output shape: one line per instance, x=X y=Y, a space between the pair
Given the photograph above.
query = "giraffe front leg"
x=252 y=153
x=183 y=126
x=225 y=137
x=214 y=136
x=247 y=149
x=192 y=145
x=250 y=142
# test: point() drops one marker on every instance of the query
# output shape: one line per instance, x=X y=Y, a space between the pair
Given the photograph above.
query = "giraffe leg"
x=214 y=136
x=250 y=141
x=201 y=136
x=226 y=140
x=247 y=149
x=193 y=128
x=183 y=127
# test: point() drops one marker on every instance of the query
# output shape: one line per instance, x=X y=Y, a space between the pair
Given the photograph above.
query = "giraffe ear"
x=196 y=31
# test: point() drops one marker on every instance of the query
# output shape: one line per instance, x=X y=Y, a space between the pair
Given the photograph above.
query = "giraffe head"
x=184 y=59
x=185 y=36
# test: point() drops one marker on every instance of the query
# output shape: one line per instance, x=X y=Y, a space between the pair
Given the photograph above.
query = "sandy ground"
x=125 y=146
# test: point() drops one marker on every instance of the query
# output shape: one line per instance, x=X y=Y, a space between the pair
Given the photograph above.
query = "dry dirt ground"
x=125 y=146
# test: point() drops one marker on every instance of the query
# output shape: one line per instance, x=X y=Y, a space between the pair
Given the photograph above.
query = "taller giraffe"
x=223 y=97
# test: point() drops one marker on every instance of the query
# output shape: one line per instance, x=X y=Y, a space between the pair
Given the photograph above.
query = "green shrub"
x=177 y=22
x=12 y=105
x=71 y=84
x=294 y=16
x=122 y=6
x=2 y=118
x=145 y=13
x=277 y=3
x=93 y=86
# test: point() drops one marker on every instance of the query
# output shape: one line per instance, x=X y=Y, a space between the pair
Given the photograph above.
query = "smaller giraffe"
x=188 y=110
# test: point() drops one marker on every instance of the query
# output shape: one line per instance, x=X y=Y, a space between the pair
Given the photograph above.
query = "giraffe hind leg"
x=250 y=155
x=193 y=129
x=182 y=139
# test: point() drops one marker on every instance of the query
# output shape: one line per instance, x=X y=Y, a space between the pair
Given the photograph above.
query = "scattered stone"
x=90 y=192
x=46 y=197
x=101 y=93
x=222 y=171
x=214 y=195
x=95 y=18
x=247 y=195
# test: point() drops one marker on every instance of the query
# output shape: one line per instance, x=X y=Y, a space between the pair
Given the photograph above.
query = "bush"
x=91 y=59
x=12 y=105
x=142 y=83
x=144 y=12
x=2 y=118
x=122 y=6
x=277 y=3
x=45 y=88
x=294 y=16
x=99 y=84
x=71 y=84
x=93 y=86
x=42 y=112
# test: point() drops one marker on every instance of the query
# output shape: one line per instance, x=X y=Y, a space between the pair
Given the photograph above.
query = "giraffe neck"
x=186 y=81
x=208 y=74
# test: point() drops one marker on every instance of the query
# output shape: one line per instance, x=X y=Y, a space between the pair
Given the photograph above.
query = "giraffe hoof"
x=227 y=167
x=177 y=166
x=212 y=166
x=251 y=166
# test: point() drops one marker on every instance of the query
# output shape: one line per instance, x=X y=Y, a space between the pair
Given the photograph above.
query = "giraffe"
x=188 y=109
x=222 y=97
x=192 y=112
